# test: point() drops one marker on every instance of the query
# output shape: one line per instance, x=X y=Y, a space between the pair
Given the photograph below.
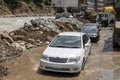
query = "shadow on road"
x=108 y=46
x=57 y=74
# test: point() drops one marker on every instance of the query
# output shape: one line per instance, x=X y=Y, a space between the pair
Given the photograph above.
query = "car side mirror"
x=87 y=45
x=47 y=43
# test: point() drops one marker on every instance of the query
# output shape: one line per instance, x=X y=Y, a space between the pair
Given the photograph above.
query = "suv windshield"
x=89 y=28
x=66 y=42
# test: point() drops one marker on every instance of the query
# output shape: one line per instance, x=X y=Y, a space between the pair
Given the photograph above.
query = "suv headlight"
x=44 y=57
x=94 y=35
x=76 y=60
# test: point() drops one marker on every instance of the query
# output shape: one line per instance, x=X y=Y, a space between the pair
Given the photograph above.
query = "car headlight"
x=44 y=57
x=94 y=35
x=76 y=60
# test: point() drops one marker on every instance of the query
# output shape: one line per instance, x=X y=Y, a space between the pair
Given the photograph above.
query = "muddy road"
x=102 y=64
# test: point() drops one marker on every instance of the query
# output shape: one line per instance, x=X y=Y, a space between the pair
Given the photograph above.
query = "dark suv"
x=92 y=30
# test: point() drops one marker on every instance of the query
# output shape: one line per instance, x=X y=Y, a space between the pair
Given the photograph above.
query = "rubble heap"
x=3 y=72
x=38 y=33
x=73 y=21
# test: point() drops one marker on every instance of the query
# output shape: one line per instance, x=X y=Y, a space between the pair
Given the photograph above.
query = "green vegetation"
x=30 y=5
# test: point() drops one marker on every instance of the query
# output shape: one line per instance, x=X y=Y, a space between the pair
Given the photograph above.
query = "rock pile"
x=3 y=72
x=73 y=21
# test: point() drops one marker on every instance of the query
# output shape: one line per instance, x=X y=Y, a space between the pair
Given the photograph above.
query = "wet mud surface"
x=102 y=64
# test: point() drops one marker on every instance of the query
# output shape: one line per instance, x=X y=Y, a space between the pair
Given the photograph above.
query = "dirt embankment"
x=24 y=8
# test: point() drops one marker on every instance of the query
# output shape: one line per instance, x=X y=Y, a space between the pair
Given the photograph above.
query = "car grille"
x=58 y=69
x=58 y=59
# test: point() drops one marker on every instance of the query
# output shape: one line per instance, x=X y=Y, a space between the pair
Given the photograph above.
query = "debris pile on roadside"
x=38 y=33
x=3 y=72
x=72 y=21
x=66 y=26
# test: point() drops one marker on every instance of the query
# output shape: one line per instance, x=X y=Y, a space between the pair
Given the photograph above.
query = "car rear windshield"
x=66 y=42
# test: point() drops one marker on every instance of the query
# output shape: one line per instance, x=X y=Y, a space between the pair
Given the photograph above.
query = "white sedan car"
x=67 y=52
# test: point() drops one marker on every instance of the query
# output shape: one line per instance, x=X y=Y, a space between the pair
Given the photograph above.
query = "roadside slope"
x=24 y=7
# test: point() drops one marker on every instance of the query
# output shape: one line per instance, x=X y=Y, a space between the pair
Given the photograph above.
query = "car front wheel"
x=83 y=64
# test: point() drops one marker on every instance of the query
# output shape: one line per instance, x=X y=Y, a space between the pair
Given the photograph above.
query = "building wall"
x=95 y=5
x=81 y=1
x=109 y=1
x=100 y=5
x=91 y=4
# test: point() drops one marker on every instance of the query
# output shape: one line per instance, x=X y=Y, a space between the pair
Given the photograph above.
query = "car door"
x=86 y=44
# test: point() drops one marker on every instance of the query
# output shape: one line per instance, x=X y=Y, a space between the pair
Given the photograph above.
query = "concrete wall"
x=65 y=3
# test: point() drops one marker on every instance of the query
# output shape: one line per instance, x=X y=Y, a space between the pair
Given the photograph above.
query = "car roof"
x=90 y=24
x=88 y=27
x=71 y=33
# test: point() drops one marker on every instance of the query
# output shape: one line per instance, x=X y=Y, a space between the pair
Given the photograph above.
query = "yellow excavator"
x=109 y=9
x=90 y=15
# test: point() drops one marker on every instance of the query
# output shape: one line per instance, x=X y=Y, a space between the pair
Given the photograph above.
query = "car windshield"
x=89 y=28
x=66 y=42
